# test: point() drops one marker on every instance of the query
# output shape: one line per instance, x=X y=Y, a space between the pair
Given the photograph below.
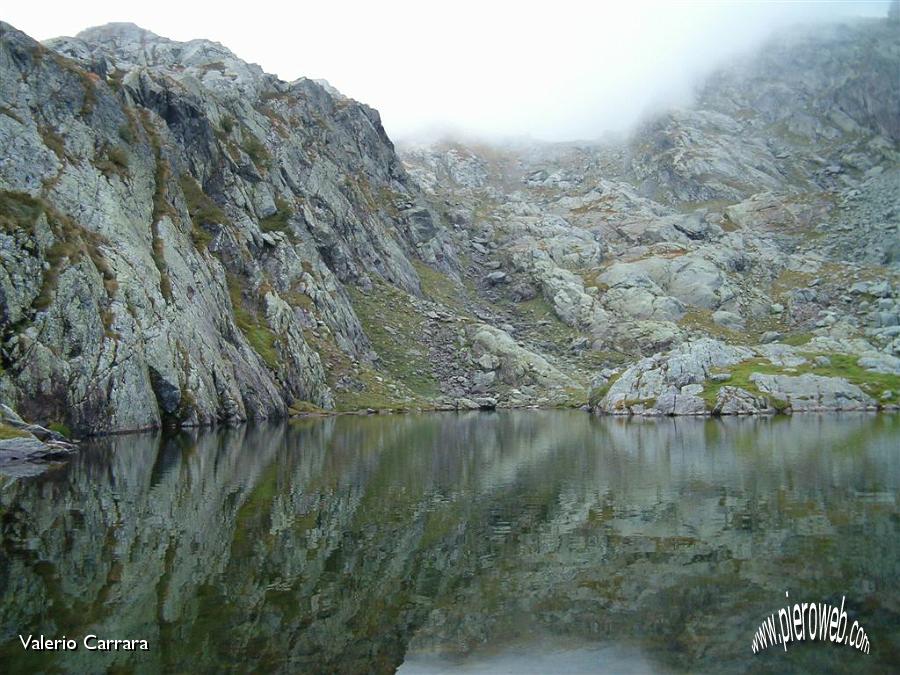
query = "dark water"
x=507 y=542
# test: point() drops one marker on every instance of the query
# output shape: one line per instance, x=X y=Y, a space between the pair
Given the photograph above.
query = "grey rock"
x=813 y=392
x=728 y=319
x=521 y=291
x=738 y=401
x=486 y=403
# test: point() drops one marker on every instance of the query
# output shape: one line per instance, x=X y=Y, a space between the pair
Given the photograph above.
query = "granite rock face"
x=176 y=226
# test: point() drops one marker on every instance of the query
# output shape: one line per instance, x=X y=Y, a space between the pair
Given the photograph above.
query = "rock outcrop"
x=179 y=227
x=707 y=376
x=26 y=448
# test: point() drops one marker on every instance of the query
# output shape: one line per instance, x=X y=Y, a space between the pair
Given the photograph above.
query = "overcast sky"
x=555 y=69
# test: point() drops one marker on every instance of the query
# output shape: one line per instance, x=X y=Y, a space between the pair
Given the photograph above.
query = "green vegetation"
x=847 y=367
x=441 y=288
x=632 y=402
x=114 y=162
x=258 y=152
x=700 y=319
x=53 y=141
x=161 y=206
x=213 y=65
x=7 y=432
x=590 y=277
x=226 y=124
x=19 y=210
x=60 y=428
x=596 y=394
x=304 y=408
x=85 y=78
x=278 y=221
x=202 y=209
x=394 y=326
x=9 y=113
x=368 y=388
x=87 y=82
x=382 y=200
x=797 y=339
x=740 y=377
x=258 y=334
x=788 y=280
x=126 y=133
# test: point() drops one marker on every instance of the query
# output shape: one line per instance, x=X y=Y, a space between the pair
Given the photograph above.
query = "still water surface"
x=509 y=542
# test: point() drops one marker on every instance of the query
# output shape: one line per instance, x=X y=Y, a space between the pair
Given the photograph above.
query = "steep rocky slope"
x=765 y=216
x=179 y=231
x=186 y=239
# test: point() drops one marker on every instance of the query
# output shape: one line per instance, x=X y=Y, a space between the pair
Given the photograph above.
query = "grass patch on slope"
x=394 y=328
x=7 y=432
x=202 y=209
x=844 y=366
x=847 y=366
x=258 y=334
x=278 y=221
x=740 y=377
x=441 y=288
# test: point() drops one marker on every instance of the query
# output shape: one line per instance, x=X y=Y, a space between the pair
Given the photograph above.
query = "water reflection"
x=457 y=542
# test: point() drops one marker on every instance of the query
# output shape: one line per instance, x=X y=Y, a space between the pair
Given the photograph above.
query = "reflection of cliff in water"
x=353 y=543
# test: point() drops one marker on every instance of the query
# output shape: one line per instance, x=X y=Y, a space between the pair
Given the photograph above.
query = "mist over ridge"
x=491 y=72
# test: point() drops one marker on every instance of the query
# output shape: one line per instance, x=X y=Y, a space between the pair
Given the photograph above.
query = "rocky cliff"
x=180 y=230
x=186 y=239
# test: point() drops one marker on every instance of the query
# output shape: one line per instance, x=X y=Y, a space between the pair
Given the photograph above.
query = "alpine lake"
x=531 y=541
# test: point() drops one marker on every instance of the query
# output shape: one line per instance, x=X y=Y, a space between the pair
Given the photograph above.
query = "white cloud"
x=555 y=70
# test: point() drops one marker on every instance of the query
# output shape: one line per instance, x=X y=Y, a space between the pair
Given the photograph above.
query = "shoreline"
x=371 y=412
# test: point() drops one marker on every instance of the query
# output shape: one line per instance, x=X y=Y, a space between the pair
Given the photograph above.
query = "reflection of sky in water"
x=462 y=543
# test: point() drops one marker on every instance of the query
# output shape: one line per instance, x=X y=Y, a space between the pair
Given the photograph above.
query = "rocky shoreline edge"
x=23 y=444
x=699 y=378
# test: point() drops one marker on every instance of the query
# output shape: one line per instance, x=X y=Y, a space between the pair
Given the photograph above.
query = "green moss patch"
x=161 y=206
x=699 y=319
x=847 y=367
x=740 y=377
x=19 y=210
x=7 y=432
x=60 y=428
x=278 y=221
x=113 y=161
x=202 y=209
x=258 y=334
x=844 y=366
x=596 y=394
x=441 y=288
x=255 y=149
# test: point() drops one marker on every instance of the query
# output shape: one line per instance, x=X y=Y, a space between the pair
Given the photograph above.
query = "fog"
x=551 y=70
